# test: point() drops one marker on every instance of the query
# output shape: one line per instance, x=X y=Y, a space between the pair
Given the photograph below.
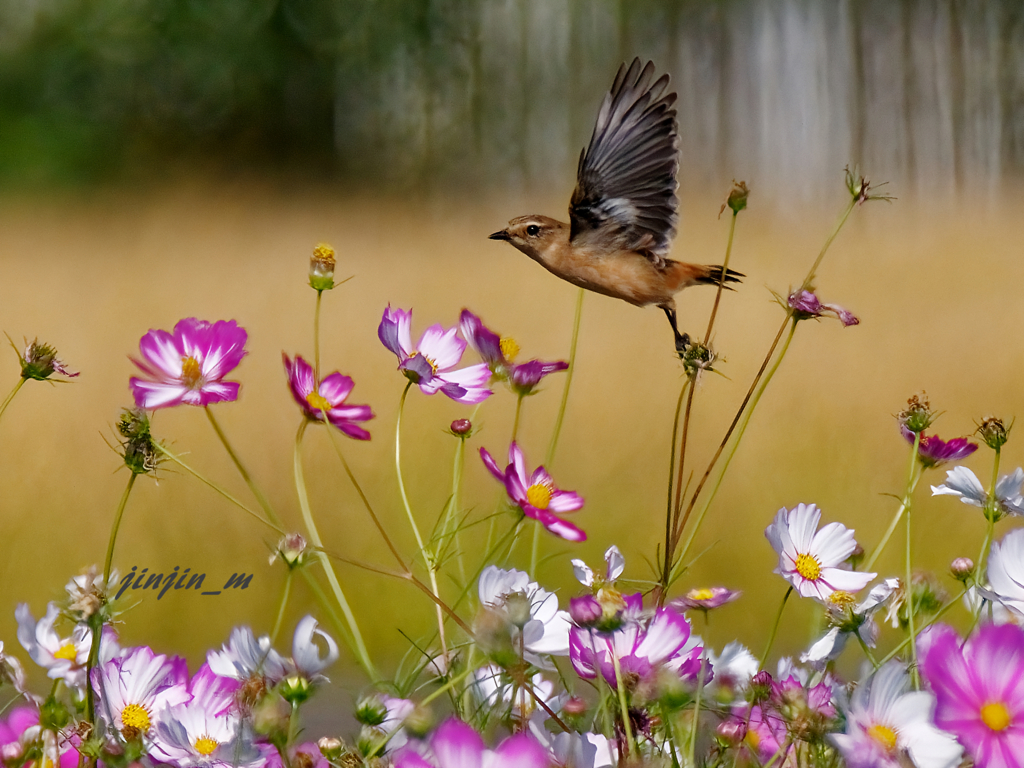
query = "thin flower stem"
x=732 y=452
x=991 y=510
x=909 y=587
x=867 y=651
x=19 y=385
x=696 y=706
x=682 y=457
x=568 y=381
x=669 y=518
x=316 y=338
x=260 y=496
x=721 y=283
x=620 y=687
x=286 y=592
x=515 y=422
x=451 y=524
x=892 y=525
x=115 y=527
x=938 y=615
x=428 y=557
x=812 y=273
x=332 y=578
x=775 y=628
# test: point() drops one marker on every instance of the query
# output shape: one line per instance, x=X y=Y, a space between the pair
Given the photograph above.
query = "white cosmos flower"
x=494 y=688
x=245 y=656
x=579 y=750
x=964 y=484
x=615 y=564
x=887 y=722
x=810 y=559
x=546 y=629
x=858 y=621
x=64 y=658
x=733 y=668
x=1006 y=573
x=306 y=653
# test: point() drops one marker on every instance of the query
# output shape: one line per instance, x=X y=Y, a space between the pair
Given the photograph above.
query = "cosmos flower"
x=806 y=305
x=963 y=483
x=536 y=495
x=705 y=599
x=500 y=354
x=979 y=690
x=245 y=657
x=456 y=745
x=40 y=362
x=189 y=365
x=496 y=690
x=615 y=564
x=1006 y=571
x=579 y=750
x=306 y=655
x=810 y=559
x=545 y=629
x=135 y=689
x=850 y=619
x=933 y=451
x=886 y=721
x=431 y=363
x=64 y=658
x=327 y=396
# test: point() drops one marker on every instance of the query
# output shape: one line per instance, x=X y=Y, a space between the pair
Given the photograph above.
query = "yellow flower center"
x=509 y=348
x=752 y=738
x=66 y=651
x=191 y=374
x=841 y=598
x=996 y=716
x=808 y=567
x=700 y=594
x=323 y=252
x=883 y=735
x=318 y=402
x=134 y=718
x=538 y=495
x=205 y=745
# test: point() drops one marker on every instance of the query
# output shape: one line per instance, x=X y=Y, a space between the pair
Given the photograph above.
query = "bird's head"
x=533 y=235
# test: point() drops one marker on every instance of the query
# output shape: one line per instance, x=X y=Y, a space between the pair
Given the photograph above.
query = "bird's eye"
x=533 y=230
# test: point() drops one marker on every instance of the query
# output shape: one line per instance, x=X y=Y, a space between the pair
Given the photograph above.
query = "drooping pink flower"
x=810 y=559
x=456 y=745
x=704 y=599
x=327 y=396
x=500 y=354
x=806 y=305
x=979 y=688
x=189 y=364
x=431 y=363
x=536 y=494
x=933 y=451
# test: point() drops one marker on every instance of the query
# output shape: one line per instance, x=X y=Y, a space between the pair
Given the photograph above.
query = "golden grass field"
x=937 y=287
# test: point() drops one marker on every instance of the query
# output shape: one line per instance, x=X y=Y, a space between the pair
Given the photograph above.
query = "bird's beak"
x=500 y=235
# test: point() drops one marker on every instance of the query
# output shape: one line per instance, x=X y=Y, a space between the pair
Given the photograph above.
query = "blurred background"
x=161 y=159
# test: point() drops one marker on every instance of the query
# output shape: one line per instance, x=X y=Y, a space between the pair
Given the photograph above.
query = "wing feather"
x=625 y=192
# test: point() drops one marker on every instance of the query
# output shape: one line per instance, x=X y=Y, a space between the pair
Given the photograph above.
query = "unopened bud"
x=371 y=711
x=461 y=427
x=137 y=445
x=292 y=549
x=517 y=607
x=11 y=752
x=369 y=740
x=302 y=760
x=585 y=610
x=962 y=568
x=917 y=416
x=419 y=722
x=761 y=685
x=271 y=716
x=321 y=268
x=296 y=689
x=40 y=362
x=993 y=432
x=331 y=748
x=575 y=706
x=731 y=732
x=737 y=197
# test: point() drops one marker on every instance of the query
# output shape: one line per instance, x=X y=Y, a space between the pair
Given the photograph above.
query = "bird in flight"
x=623 y=212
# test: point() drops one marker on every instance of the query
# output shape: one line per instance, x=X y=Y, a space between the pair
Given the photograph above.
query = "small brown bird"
x=623 y=212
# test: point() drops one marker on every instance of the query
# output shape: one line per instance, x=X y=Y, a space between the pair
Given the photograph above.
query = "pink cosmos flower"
x=806 y=305
x=704 y=599
x=810 y=559
x=642 y=647
x=537 y=494
x=456 y=745
x=431 y=363
x=979 y=687
x=328 y=396
x=933 y=451
x=500 y=354
x=189 y=365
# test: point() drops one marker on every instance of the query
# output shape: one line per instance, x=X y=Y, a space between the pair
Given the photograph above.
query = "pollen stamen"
x=318 y=402
x=134 y=721
x=808 y=566
x=538 y=495
x=67 y=652
x=191 y=373
x=996 y=716
x=884 y=736
x=205 y=745
x=509 y=348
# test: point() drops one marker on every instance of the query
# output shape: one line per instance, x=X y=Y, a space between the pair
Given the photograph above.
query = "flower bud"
x=731 y=732
x=993 y=432
x=962 y=568
x=321 y=268
x=271 y=716
x=575 y=706
x=696 y=358
x=331 y=748
x=137 y=446
x=737 y=200
x=419 y=722
x=371 y=711
x=292 y=549
x=11 y=752
x=369 y=740
x=517 y=607
x=917 y=416
x=585 y=610
x=761 y=685
x=40 y=362
x=461 y=427
x=296 y=689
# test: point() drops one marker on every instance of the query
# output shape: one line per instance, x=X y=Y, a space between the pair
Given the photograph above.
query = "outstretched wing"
x=625 y=193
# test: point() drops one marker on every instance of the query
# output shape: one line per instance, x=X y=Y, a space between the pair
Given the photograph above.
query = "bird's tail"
x=714 y=274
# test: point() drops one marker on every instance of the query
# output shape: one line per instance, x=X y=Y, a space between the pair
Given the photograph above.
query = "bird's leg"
x=682 y=339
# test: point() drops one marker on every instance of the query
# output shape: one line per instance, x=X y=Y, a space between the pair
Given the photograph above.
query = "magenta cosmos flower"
x=537 y=494
x=456 y=745
x=706 y=598
x=431 y=363
x=933 y=451
x=327 y=396
x=189 y=364
x=500 y=354
x=979 y=689
x=810 y=559
x=806 y=305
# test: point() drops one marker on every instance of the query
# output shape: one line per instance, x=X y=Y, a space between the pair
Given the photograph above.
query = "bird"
x=624 y=210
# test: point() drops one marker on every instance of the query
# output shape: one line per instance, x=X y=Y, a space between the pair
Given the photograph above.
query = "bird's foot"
x=682 y=342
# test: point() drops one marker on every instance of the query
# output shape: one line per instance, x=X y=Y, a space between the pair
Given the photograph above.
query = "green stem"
x=451 y=523
x=867 y=651
x=696 y=707
x=332 y=578
x=7 y=400
x=909 y=588
x=775 y=629
x=428 y=557
x=627 y=726
x=260 y=497
x=721 y=283
x=568 y=381
x=114 y=529
x=941 y=612
x=991 y=512
x=316 y=340
x=806 y=285
x=515 y=422
x=892 y=525
x=669 y=506
x=284 y=602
